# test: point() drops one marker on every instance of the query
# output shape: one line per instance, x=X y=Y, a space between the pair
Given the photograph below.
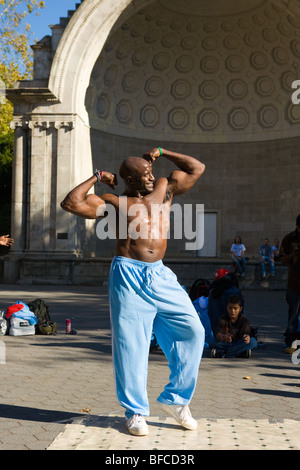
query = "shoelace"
x=137 y=419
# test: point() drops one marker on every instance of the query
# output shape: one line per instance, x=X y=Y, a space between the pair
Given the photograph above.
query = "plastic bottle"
x=68 y=326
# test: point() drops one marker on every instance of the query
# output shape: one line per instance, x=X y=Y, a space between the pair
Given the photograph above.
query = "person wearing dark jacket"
x=233 y=334
x=289 y=254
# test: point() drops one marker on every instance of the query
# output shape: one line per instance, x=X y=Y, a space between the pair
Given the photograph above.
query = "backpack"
x=44 y=326
x=200 y=288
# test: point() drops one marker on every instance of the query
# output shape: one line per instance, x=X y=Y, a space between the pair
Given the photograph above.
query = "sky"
x=50 y=15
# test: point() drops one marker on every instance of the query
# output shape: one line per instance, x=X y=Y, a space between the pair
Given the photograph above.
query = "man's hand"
x=152 y=155
x=6 y=241
x=110 y=179
x=182 y=179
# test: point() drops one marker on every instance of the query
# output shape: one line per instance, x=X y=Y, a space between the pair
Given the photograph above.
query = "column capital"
x=40 y=124
x=18 y=123
x=69 y=125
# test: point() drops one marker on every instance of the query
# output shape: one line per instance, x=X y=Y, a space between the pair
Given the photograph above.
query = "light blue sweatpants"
x=145 y=296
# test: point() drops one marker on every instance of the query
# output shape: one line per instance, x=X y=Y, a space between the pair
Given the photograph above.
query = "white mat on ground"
x=109 y=433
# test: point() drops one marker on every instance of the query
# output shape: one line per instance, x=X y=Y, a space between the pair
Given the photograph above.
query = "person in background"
x=290 y=255
x=275 y=249
x=266 y=256
x=233 y=334
x=237 y=252
x=6 y=241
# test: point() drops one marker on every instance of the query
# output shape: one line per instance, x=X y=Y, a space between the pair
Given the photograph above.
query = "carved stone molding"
x=67 y=125
x=41 y=124
x=31 y=95
x=19 y=124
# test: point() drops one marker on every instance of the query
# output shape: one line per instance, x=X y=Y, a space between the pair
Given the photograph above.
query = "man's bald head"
x=133 y=166
x=137 y=175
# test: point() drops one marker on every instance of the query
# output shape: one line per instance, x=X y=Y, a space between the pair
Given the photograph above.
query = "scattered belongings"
x=22 y=319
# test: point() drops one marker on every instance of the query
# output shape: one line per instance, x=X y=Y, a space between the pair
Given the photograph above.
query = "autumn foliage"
x=16 y=63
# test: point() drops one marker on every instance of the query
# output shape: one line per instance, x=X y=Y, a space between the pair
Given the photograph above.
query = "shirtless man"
x=144 y=294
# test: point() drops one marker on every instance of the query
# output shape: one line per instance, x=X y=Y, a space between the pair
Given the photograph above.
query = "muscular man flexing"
x=144 y=294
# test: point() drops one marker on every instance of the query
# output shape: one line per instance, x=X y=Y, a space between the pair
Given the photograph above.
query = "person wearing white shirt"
x=237 y=252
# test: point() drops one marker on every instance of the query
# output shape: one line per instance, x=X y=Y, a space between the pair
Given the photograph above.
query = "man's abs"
x=148 y=251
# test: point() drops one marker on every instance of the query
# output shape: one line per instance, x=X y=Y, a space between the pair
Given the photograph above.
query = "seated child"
x=233 y=332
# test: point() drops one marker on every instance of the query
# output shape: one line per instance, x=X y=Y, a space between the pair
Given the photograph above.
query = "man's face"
x=233 y=311
x=143 y=178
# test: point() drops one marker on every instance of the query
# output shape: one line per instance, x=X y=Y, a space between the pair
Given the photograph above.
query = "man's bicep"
x=98 y=205
x=89 y=208
x=179 y=182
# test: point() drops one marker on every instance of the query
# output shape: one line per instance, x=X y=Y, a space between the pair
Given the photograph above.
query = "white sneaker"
x=182 y=415
x=137 y=425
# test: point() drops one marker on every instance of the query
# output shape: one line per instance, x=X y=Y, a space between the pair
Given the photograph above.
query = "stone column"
x=65 y=230
x=50 y=177
x=19 y=202
x=19 y=186
x=40 y=173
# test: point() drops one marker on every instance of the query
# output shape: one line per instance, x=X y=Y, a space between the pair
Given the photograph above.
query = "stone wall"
x=254 y=187
x=95 y=271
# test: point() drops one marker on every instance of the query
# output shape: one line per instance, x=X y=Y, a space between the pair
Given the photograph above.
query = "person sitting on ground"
x=237 y=251
x=266 y=256
x=233 y=334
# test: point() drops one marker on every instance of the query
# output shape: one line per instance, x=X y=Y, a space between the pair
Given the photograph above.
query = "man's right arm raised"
x=88 y=206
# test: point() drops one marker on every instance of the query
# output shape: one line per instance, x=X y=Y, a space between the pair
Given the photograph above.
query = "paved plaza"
x=57 y=392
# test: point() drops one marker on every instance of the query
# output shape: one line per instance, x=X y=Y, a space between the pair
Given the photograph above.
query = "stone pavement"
x=57 y=392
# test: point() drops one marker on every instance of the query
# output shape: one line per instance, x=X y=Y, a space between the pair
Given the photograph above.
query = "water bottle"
x=68 y=326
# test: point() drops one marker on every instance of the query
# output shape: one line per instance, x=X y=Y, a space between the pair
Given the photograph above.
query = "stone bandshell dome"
x=199 y=72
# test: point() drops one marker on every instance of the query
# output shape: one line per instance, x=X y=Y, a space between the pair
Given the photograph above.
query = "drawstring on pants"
x=148 y=275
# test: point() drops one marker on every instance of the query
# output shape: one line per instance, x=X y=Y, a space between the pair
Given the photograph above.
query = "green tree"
x=16 y=63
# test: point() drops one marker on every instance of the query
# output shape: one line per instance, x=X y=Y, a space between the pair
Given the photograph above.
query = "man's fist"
x=110 y=179
x=152 y=155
